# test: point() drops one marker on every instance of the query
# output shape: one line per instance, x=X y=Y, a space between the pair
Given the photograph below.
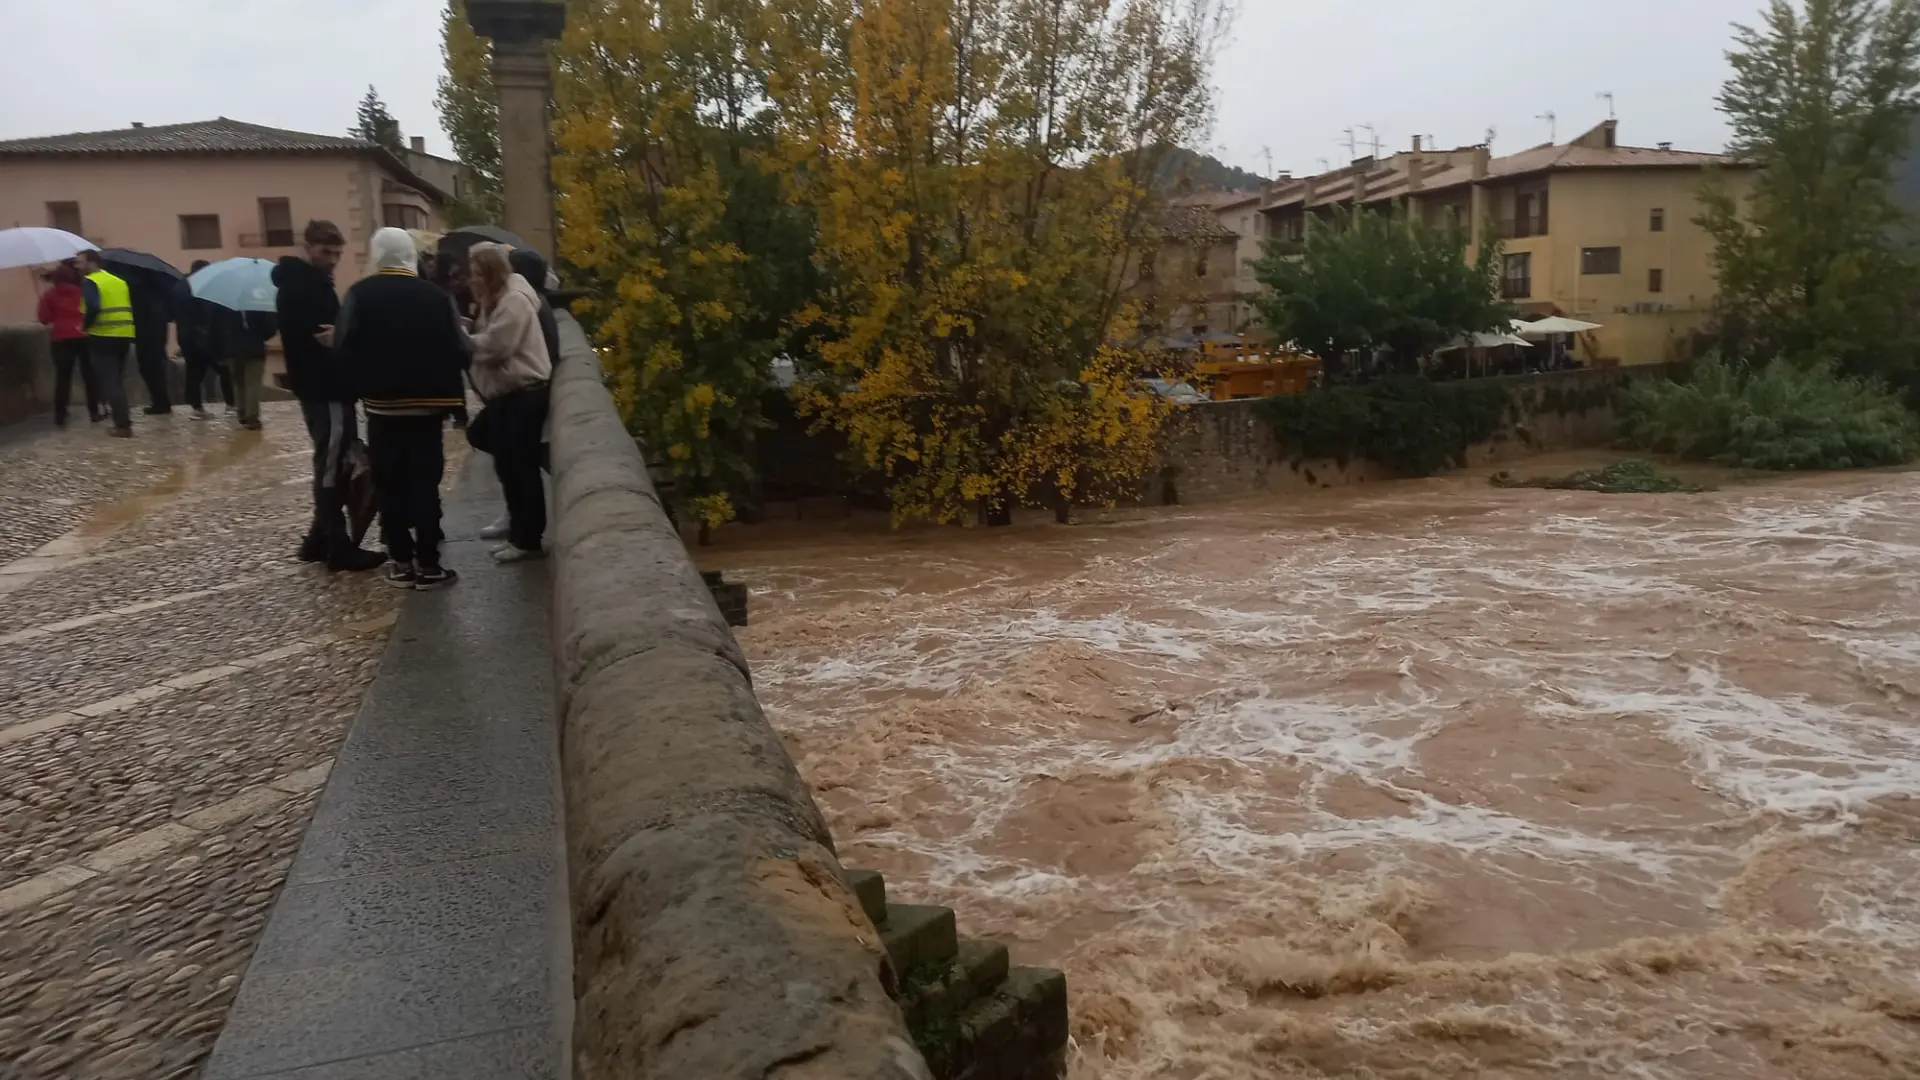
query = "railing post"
x=523 y=78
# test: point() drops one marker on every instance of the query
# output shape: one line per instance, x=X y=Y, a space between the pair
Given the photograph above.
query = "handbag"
x=483 y=429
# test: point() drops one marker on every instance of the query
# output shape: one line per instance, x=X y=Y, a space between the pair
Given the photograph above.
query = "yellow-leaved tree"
x=670 y=217
x=980 y=172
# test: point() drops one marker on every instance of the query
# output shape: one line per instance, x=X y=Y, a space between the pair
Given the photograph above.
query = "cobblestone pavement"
x=175 y=686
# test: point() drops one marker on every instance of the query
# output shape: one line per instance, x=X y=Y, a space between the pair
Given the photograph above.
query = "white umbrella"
x=1558 y=324
x=1484 y=341
x=241 y=284
x=31 y=245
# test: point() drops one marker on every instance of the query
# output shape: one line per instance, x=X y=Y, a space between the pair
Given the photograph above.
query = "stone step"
x=1019 y=1032
x=871 y=890
x=977 y=969
x=917 y=937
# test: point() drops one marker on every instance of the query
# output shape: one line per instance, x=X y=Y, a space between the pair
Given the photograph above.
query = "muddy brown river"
x=1416 y=780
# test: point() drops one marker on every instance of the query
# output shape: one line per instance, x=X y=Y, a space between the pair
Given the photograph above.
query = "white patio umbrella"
x=1557 y=324
x=31 y=245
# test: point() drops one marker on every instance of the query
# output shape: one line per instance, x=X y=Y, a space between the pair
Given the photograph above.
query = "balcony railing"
x=1519 y=228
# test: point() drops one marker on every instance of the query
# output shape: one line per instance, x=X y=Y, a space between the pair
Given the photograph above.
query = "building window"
x=1516 y=275
x=1200 y=265
x=276 y=222
x=402 y=216
x=65 y=215
x=1656 y=281
x=199 y=232
x=1604 y=260
x=1657 y=221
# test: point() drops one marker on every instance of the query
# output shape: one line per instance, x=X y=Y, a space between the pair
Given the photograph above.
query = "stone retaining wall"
x=713 y=933
x=1226 y=449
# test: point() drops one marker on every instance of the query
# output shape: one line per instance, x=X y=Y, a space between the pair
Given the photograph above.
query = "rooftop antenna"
x=1375 y=138
x=1606 y=96
x=1492 y=133
x=1325 y=165
x=1267 y=152
x=1352 y=144
x=1553 y=125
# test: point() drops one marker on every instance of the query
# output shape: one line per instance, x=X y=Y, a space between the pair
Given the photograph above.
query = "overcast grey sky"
x=1292 y=76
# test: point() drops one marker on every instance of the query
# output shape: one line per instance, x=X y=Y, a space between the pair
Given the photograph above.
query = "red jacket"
x=61 y=310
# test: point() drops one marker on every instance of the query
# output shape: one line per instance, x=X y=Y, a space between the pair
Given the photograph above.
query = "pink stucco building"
x=213 y=190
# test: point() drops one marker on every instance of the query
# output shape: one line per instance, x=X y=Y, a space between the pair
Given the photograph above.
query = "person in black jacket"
x=151 y=312
x=240 y=341
x=194 y=321
x=403 y=353
x=308 y=307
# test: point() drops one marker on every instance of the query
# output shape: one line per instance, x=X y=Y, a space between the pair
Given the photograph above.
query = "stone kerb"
x=713 y=934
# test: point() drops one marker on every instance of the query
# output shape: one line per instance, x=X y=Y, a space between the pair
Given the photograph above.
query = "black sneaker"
x=313 y=548
x=401 y=576
x=157 y=410
x=434 y=577
x=355 y=560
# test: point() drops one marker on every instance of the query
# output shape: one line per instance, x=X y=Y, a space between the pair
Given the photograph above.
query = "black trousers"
x=68 y=355
x=332 y=426
x=151 y=352
x=408 y=462
x=199 y=363
x=109 y=356
x=516 y=461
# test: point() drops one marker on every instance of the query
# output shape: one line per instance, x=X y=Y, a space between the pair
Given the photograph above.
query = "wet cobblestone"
x=128 y=966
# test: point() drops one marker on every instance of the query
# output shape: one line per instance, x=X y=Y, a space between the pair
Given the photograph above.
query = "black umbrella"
x=123 y=261
x=492 y=234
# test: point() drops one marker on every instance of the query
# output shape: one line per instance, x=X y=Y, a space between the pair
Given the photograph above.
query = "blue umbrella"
x=240 y=284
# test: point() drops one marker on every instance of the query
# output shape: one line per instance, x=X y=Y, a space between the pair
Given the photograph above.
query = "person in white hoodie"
x=511 y=370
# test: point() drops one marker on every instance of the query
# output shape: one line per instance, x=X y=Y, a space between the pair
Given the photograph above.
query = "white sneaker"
x=512 y=554
x=496 y=531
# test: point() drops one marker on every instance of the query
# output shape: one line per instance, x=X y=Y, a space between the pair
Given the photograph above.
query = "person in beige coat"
x=510 y=371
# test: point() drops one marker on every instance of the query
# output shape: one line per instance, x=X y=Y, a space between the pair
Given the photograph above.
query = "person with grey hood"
x=403 y=355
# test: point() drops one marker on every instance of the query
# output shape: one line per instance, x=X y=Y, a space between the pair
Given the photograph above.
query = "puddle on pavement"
x=1425 y=780
x=104 y=521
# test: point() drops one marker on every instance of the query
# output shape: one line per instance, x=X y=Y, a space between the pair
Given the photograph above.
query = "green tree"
x=1816 y=263
x=980 y=172
x=1379 y=280
x=377 y=125
x=470 y=115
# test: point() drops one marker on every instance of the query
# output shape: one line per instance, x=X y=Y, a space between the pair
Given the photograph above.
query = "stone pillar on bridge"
x=523 y=77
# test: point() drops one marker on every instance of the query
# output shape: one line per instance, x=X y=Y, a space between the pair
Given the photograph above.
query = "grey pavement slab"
x=423 y=931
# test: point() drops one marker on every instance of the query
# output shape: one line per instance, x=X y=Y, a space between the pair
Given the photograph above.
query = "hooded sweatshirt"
x=528 y=264
x=306 y=303
x=509 y=353
x=399 y=337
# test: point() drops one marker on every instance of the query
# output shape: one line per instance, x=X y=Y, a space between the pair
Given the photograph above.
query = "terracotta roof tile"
x=219 y=136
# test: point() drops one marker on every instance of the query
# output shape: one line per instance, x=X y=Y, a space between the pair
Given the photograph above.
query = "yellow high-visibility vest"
x=116 y=307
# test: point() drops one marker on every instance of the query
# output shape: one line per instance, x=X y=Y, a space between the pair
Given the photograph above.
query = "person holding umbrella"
x=109 y=323
x=194 y=323
x=63 y=313
x=308 y=307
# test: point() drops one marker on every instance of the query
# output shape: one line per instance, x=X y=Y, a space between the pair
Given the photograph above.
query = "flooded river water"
x=1417 y=780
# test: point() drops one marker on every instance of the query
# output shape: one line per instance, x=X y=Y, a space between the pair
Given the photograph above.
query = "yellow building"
x=1591 y=229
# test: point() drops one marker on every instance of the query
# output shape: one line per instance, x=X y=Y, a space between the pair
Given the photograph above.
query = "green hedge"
x=1783 y=416
x=1411 y=425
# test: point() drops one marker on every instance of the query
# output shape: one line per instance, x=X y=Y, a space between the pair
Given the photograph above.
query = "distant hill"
x=1190 y=170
